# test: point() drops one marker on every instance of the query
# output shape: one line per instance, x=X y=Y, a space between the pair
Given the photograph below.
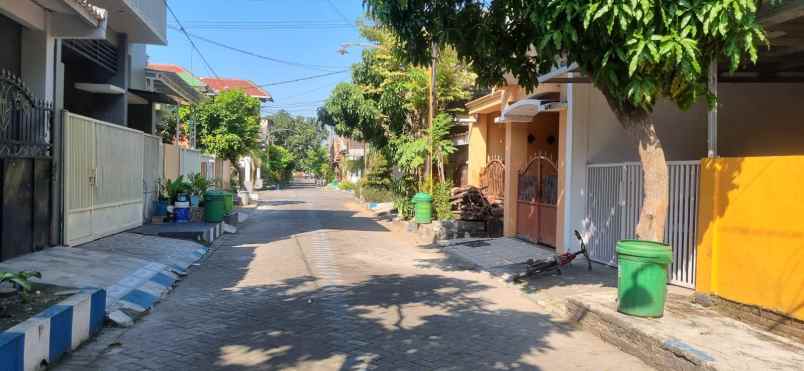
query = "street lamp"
x=344 y=48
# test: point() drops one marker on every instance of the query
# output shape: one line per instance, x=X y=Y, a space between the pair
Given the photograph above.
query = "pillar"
x=516 y=153
x=478 y=148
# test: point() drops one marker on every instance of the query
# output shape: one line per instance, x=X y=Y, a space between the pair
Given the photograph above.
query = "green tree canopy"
x=228 y=124
x=298 y=134
x=389 y=95
x=634 y=50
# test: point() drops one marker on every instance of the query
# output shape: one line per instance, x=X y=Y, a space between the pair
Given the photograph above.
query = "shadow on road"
x=421 y=321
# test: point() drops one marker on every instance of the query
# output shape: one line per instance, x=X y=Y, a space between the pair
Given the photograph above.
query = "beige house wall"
x=172 y=160
x=753 y=120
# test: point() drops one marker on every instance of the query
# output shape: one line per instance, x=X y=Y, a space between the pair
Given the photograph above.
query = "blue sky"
x=303 y=32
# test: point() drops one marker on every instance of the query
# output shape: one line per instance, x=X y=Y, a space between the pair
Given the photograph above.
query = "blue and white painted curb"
x=46 y=337
x=138 y=292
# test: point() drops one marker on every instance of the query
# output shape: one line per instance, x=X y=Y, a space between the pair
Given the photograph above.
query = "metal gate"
x=26 y=125
x=103 y=169
x=615 y=201
x=537 y=195
x=492 y=178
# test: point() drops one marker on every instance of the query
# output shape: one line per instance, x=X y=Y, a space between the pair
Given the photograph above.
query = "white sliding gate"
x=615 y=200
x=189 y=161
x=103 y=171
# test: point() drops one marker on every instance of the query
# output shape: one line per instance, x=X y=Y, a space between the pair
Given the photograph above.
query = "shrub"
x=403 y=189
x=442 y=207
x=346 y=185
x=379 y=172
x=371 y=194
x=359 y=187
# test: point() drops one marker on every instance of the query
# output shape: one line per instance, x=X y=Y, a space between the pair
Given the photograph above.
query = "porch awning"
x=525 y=110
x=154 y=97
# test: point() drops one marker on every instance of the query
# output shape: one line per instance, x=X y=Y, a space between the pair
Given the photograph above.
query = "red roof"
x=166 y=68
x=250 y=88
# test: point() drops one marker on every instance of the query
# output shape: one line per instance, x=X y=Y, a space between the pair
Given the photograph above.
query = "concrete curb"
x=137 y=293
x=44 y=338
x=669 y=354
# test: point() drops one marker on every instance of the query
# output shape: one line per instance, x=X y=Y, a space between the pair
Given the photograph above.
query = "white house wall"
x=139 y=60
x=37 y=62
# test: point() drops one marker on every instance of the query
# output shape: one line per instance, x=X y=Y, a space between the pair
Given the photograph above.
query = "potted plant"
x=199 y=186
x=163 y=199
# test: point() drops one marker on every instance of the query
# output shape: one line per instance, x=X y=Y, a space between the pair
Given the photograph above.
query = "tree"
x=387 y=103
x=297 y=134
x=317 y=161
x=279 y=168
x=635 y=51
x=229 y=126
x=167 y=127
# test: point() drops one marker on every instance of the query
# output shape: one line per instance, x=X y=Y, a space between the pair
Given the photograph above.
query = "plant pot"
x=195 y=200
x=181 y=211
x=160 y=208
x=197 y=214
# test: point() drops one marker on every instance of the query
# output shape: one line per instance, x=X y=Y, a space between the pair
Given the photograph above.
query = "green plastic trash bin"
x=424 y=208
x=213 y=207
x=228 y=202
x=642 y=277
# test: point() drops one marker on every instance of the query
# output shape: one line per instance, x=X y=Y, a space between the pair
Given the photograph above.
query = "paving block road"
x=312 y=282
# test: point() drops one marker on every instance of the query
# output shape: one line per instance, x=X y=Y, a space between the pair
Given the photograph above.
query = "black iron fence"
x=26 y=122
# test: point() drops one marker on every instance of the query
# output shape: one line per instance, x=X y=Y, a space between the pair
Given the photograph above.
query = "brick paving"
x=312 y=283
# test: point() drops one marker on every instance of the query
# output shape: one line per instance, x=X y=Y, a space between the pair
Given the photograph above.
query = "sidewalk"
x=688 y=337
x=136 y=270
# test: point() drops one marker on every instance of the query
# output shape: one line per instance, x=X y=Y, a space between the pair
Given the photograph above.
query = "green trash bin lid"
x=651 y=250
x=212 y=195
x=422 y=197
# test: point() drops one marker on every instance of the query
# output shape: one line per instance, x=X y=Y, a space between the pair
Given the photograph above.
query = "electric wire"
x=192 y=43
x=260 y=56
x=302 y=79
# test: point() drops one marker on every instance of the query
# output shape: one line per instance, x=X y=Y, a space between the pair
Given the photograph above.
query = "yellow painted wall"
x=751 y=232
x=515 y=157
x=477 y=149
x=496 y=137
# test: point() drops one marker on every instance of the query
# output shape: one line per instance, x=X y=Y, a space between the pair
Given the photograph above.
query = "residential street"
x=310 y=282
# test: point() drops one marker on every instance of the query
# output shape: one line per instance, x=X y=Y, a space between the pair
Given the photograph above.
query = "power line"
x=192 y=43
x=302 y=79
x=255 y=55
x=265 y=25
x=338 y=11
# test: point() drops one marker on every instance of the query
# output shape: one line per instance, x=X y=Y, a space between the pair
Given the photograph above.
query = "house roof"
x=185 y=75
x=250 y=88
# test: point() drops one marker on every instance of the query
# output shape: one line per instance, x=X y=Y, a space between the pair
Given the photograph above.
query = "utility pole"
x=431 y=109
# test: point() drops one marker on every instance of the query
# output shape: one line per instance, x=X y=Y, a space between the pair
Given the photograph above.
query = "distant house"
x=217 y=85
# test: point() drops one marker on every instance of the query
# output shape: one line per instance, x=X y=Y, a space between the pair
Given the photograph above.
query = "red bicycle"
x=536 y=267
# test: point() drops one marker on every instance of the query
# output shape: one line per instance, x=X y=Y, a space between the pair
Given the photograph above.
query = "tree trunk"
x=241 y=176
x=653 y=217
